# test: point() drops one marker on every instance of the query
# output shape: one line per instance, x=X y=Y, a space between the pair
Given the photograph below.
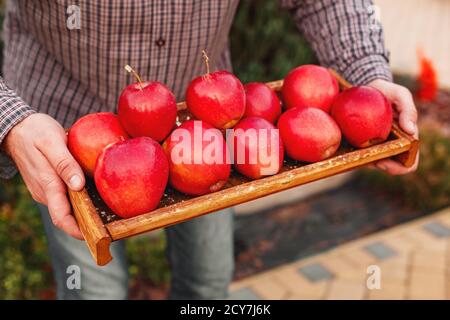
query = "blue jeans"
x=200 y=253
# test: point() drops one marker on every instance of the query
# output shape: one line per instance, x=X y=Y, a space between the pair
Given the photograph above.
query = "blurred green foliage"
x=265 y=43
x=24 y=262
x=24 y=259
x=429 y=188
x=147 y=259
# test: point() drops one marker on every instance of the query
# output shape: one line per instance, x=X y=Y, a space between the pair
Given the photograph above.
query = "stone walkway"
x=410 y=24
x=412 y=261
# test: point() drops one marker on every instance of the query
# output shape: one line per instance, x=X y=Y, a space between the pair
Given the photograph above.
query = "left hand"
x=403 y=104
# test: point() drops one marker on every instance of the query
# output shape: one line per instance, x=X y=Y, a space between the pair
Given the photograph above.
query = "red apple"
x=261 y=101
x=364 y=116
x=198 y=158
x=217 y=98
x=309 y=86
x=90 y=135
x=309 y=134
x=147 y=109
x=258 y=149
x=131 y=176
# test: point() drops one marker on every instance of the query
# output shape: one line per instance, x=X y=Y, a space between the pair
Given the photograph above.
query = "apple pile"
x=134 y=155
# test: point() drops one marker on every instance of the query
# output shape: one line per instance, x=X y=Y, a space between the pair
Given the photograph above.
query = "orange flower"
x=427 y=79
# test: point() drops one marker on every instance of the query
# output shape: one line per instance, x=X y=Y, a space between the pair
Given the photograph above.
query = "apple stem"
x=206 y=59
x=129 y=69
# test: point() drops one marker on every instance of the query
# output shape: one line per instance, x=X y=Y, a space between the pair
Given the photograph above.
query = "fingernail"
x=412 y=127
x=75 y=182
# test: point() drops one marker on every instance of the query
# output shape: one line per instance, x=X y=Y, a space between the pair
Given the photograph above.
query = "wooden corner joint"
x=102 y=253
x=94 y=232
x=407 y=158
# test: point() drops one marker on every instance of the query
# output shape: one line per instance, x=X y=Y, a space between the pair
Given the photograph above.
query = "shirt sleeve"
x=345 y=35
x=12 y=110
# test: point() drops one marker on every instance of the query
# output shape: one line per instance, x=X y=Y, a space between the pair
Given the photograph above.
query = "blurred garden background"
x=265 y=46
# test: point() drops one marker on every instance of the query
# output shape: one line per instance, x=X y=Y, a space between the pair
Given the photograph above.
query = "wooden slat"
x=198 y=206
x=94 y=232
x=407 y=158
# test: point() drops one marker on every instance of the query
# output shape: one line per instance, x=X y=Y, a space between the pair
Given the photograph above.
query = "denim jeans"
x=200 y=253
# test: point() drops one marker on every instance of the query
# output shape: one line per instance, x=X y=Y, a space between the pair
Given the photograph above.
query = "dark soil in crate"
x=172 y=196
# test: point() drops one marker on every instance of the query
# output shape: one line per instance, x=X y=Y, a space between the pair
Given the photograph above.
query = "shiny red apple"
x=309 y=86
x=258 y=149
x=217 y=98
x=198 y=158
x=309 y=134
x=261 y=101
x=131 y=176
x=147 y=109
x=90 y=134
x=364 y=115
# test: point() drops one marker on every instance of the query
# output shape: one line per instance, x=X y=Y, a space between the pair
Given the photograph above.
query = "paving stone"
x=360 y=258
x=343 y=269
x=437 y=229
x=297 y=296
x=400 y=243
x=299 y=286
x=315 y=272
x=414 y=262
x=380 y=250
x=346 y=290
x=427 y=286
x=425 y=240
x=429 y=261
x=394 y=272
x=269 y=288
x=387 y=292
x=243 y=294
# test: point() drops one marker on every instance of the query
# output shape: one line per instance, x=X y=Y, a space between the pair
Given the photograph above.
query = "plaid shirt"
x=68 y=73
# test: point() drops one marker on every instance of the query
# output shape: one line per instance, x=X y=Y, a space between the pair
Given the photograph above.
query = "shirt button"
x=160 y=42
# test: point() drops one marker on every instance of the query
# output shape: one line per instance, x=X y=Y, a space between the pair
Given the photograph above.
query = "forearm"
x=12 y=111
x=345 y=36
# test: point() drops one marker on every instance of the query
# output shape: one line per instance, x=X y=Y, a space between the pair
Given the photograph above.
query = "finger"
x=27 y=170
x=407 y=111
x=394 y=168
x=371 y=166
x=38 y=197
x=59 y=208
x=391 y=167
x=64 y=164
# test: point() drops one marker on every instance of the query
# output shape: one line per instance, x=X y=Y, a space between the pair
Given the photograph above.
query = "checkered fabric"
x=68 y=73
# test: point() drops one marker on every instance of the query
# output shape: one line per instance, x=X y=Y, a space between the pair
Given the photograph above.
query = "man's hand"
x=38 y=147
x=405 y=109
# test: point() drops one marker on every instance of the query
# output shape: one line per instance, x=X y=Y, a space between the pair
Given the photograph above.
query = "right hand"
x=38 y=146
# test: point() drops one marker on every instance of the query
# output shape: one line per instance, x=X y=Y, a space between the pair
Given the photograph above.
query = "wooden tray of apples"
x=135 y=186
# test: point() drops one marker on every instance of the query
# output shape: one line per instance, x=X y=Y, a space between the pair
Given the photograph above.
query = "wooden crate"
x=100 y=226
